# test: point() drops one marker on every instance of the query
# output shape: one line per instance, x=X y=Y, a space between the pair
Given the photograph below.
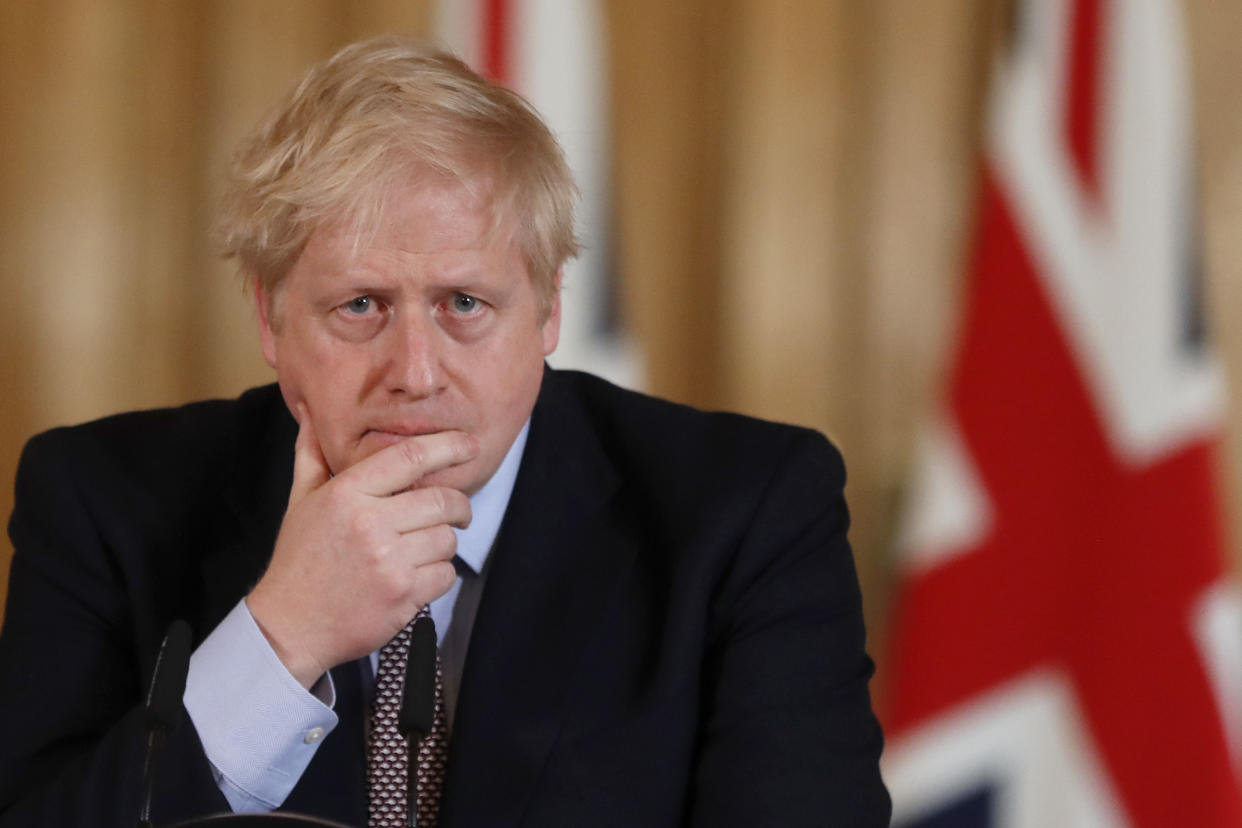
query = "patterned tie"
x=387 y=775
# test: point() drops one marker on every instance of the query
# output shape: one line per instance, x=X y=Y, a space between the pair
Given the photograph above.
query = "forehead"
x=424 y=213
x=420 y=210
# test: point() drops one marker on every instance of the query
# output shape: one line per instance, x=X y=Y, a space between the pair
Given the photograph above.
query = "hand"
x=358 y=554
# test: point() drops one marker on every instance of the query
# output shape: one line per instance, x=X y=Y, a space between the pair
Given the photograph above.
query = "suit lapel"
x=556 y=563
x=254 y=499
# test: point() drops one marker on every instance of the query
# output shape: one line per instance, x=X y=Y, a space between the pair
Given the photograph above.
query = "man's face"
x=432 y=325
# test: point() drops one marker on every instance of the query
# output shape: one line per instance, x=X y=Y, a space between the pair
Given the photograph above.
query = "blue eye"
x=359 y=305
x=464 y=303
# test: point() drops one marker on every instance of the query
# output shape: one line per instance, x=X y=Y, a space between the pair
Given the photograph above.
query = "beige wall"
x=793 y=178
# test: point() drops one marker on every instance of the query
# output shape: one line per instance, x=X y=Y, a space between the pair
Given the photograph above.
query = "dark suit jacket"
x=671 y=632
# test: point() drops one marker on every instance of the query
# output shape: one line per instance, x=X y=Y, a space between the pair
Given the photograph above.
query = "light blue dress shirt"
x=259 y=727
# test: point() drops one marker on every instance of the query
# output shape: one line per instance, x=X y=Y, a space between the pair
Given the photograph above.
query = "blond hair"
x=357 y=126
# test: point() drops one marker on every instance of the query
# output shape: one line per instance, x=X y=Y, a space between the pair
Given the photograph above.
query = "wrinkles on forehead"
x=361 y=222
x=375 y=223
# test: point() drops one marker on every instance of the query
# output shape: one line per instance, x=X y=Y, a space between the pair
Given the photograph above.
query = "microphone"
x=418 y=701
x=163 y=704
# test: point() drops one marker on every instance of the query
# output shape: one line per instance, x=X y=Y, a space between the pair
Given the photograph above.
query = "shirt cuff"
x=259 y=727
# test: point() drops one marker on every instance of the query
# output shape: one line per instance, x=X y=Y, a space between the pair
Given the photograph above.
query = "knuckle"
x=434 y=579
x=413 y=452
x=444 y=539
x=383 y=555
x=362 y=527
x=464 y=510
x=453 y=499
x=444 y=574
x=439 y=499
x=448 y=574
x=386 y=591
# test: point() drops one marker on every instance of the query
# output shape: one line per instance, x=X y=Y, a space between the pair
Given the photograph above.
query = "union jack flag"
x=1068 y=644
x=554 y=52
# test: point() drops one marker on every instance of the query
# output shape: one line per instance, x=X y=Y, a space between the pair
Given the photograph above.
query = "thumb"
x=310 y=469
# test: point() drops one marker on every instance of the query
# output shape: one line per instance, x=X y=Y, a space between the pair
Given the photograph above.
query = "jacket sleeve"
x=789 y=737
x=75 y=657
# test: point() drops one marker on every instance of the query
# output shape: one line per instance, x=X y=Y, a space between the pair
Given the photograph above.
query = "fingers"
x=433 y=580
x=415 y=550
x=430 y=581
x=420 y=508
x=401 y=465
x=310 y=469
x=416 y=525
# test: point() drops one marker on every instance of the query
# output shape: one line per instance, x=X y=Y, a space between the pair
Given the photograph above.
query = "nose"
x=415 y=366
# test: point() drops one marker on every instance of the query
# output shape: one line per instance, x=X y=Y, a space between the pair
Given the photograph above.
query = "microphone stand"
x=418 y=703
x=163 y=703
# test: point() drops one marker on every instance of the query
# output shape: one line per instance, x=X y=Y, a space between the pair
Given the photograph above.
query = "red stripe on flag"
x=1091 y=566
x=1082 y=107
x=495 y=31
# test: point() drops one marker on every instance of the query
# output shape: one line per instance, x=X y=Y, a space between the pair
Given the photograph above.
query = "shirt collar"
x=488 y=505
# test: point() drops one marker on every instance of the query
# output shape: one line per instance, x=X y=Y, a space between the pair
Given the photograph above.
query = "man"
x=647 y=615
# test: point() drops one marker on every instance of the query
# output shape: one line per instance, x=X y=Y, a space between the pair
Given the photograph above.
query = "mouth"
x=395 y=434
x=403 y=431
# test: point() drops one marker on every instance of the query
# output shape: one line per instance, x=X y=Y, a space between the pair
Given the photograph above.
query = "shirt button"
x=313 y=735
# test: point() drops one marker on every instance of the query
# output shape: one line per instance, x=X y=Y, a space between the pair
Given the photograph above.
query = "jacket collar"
x=255 y=496
x=556 y=563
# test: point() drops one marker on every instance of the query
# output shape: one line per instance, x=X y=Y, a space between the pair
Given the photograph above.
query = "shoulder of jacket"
x=657 y=420
x=663 y=443
x=189 y=434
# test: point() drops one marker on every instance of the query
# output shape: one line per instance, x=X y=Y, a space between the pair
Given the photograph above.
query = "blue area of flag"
x=973 y=810
x=1194 y=316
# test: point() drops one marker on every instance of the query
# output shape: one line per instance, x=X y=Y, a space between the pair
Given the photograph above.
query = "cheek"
x=325 y=379
x=320 y=366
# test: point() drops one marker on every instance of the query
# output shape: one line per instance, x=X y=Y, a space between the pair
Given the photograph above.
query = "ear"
x=263 y=305
x=551 y=328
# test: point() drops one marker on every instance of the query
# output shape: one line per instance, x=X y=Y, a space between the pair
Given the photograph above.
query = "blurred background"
x=781 y=200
